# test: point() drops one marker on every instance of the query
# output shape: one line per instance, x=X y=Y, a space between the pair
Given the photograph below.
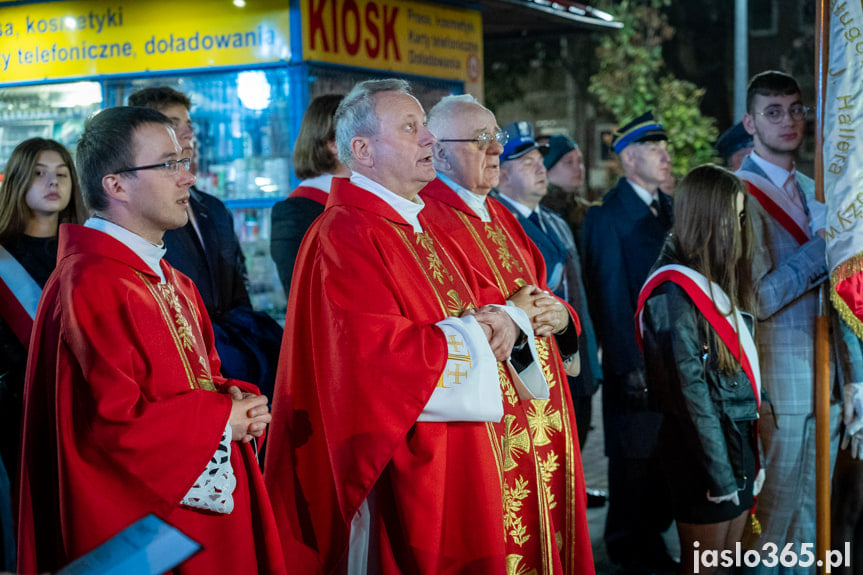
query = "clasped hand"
x=500 y=329
x=250 y=415
x=547 y=315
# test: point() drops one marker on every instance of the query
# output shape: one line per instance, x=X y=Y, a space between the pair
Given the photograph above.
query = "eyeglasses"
x=484 y=140
x=171 y=166
x=776 y=114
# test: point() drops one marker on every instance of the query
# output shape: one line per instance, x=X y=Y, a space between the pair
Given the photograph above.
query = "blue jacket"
x=622 y=240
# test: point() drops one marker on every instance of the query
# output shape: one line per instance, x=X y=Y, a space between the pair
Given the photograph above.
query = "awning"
x=504 y=18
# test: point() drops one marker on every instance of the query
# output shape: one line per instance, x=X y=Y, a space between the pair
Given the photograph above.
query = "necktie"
x=534 y=217
x=790 y=187
x=654 y=207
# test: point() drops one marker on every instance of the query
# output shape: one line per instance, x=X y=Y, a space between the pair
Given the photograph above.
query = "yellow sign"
x=397 y=35
x=88 y=38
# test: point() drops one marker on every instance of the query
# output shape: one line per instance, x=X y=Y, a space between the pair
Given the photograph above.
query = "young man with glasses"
x=788 y=266
x=125 y=412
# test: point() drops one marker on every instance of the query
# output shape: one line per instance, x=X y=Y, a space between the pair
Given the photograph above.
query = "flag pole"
x=822 y=342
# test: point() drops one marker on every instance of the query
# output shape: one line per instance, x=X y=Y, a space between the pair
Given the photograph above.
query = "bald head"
x=474 y=162
x=446 y=113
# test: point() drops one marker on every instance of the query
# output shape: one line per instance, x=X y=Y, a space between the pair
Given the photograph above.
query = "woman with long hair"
x=39 y=192
x=701 y=362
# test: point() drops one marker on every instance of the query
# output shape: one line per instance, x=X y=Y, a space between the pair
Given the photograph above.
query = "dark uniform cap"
x=642 y=129
x=520 y=141
x=558 y=147
x=733 y=139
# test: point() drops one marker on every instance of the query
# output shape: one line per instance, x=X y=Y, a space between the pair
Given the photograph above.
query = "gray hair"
x=356 y=115
x=442 y=113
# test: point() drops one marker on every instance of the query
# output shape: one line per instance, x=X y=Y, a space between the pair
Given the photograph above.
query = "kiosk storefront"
x=250 y=68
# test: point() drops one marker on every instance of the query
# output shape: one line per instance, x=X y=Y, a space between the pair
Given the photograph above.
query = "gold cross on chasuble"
x=513 y=442
x=543 y=421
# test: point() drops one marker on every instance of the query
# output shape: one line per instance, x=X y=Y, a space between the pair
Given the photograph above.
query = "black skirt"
x=688 y=482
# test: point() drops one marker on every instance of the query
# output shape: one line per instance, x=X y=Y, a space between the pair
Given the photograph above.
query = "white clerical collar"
x=407 y=209
x=645 y=196
x=322 y=182
x=522 y=209
x=475 y=202
x=143 y=249
x=773 y=172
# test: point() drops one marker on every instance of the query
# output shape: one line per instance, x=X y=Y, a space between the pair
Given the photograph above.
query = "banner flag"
x=843 y=162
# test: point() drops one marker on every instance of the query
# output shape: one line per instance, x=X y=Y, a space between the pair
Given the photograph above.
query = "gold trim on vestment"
x=181 y=331
x=419 y=262
x=506 y=446
x=514 y=566
x=501 y=283
x=553 y=373
x=513 y=498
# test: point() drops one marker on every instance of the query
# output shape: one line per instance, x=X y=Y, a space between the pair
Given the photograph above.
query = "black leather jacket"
x=708 y=406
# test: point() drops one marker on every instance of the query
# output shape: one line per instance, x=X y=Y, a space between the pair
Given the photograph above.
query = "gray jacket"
x=787 y=276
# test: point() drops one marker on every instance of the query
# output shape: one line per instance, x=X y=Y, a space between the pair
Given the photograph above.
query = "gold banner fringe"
x=843 y=271
x=756 y=524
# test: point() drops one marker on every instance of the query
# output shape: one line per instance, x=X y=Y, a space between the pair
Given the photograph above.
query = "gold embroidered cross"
x=512 y=442
x=454 y=344
x=457 y=374
x=543 y=421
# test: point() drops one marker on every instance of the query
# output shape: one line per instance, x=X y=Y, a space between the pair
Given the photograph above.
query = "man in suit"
x=622 y=239
x=207 y=250
x=788 y=266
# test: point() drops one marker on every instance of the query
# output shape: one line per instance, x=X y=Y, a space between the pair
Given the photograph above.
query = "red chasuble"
x=501 y=251
x=123 y=408
x=360 y=359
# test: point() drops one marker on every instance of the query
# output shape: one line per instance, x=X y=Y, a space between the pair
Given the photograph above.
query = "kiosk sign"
x=54 y=40
x=396 y=35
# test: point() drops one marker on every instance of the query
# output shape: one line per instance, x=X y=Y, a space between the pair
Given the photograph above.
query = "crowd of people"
x=454 y=302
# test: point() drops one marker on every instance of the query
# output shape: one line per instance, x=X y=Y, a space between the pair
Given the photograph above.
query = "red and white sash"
x=709 y=298
x=19 y=296
x=789 y=216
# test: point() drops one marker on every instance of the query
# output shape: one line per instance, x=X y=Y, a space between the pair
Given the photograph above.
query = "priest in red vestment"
x=466 y=157
x=125 y=412
x=401 y=442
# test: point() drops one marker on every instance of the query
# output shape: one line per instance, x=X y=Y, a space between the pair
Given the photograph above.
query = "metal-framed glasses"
x=484 y=140
x=776 y=114
x=171 y=166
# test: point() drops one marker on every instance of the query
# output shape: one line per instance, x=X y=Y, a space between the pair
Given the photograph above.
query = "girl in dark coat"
x=701 y=362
